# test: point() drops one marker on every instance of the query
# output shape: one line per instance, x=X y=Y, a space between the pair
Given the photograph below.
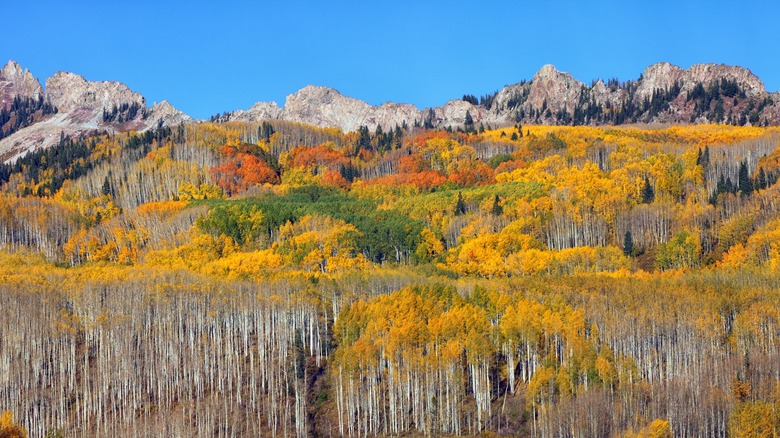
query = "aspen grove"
x=278 y=279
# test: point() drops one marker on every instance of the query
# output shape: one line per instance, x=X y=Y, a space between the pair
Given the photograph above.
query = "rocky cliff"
x=554 y=90
x=72 y=106
x=69 y=91
x=664 y=93
x=15 y=81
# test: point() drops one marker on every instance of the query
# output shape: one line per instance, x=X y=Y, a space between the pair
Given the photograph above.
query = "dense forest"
x=277 y=279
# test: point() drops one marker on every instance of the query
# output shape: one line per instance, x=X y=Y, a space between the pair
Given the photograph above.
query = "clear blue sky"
x=209 y=57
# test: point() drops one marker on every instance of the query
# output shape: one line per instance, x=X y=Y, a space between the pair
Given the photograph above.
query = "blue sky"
x=209 y=57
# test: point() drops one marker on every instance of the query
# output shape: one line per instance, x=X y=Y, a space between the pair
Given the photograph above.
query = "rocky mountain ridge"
x=71 y=106
x=664 y=93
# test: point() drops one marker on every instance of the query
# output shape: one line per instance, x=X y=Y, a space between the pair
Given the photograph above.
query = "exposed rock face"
x=15 y=81
x=68 y=91
x=604 y=95
x=390 y=114
x=659 y=76
x=259 y=111
x=40 y=135
x=453 y=113
x=772 y=112
x=706 y=73
x=561 y=92
x=664 y=75
x=322 y=106
x=82 y=107
x=552 y=97
x=168 y=114
x=558 y=90
x=326 y=107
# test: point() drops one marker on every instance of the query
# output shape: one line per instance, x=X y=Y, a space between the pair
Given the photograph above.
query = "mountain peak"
x=746 y=80
x=316 y=92
x=554 y=90
x=661 y=69
x=258 y=111
x=16 y=81
x=168 y=114
x=69 y=91
x=659 y=76
x=323 y=106
x=10 y=68
x=547 y=70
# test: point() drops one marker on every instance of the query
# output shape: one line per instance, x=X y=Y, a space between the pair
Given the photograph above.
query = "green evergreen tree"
x=761 y=180
x=265 y=131
x=106 y=189
x=363 y=140
x=468 y=124
x=648 y=194
x=460 y=206
x=729 y=186
x=628 y=243
x=744 y=183
x=497 y=208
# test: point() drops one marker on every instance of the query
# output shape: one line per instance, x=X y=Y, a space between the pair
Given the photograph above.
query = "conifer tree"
x=468 y=124
x=497 y=208
x=648 y=194
x=761 y=181
x=106 y=189
x=628 y=243
x=460 y=206
x=745 y=184
x=705 y=158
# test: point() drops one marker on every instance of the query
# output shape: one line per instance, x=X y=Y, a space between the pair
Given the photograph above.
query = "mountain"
x=31 y=118
x=664 y=93
x=15 y=81
x=71 y=106
x=326 y=107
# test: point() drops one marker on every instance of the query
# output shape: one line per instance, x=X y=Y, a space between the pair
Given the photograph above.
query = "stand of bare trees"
x=160 y=357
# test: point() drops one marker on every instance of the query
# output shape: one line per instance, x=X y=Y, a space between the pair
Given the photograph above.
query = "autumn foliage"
x=277 y=279
x=243 y=171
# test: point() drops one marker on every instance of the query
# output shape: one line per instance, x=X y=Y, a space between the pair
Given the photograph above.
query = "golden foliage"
x=656 y=429
x=9 y=429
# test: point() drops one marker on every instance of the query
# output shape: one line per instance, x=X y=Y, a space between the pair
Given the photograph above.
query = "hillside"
x=259 y=278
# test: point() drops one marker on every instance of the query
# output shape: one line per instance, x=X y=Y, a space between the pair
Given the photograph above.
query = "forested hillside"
x=279 y=279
